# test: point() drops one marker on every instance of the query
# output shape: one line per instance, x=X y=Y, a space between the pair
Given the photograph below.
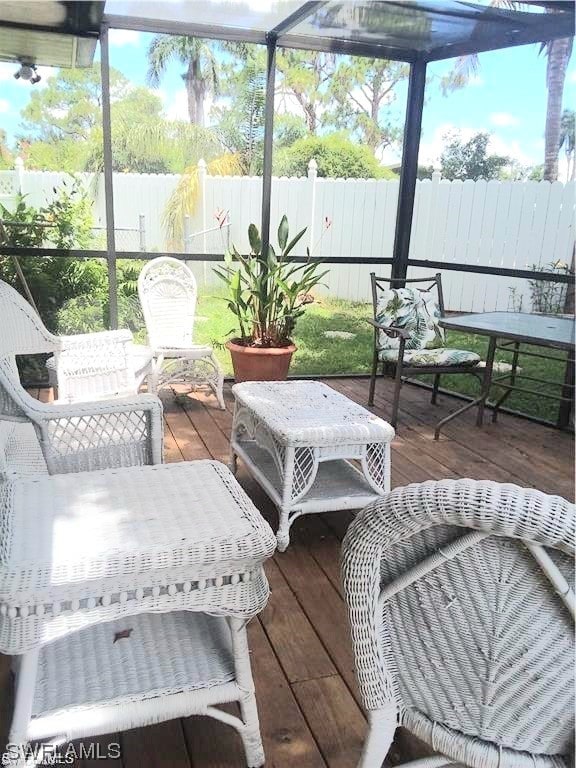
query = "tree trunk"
x=558 y=52
x=190 y=93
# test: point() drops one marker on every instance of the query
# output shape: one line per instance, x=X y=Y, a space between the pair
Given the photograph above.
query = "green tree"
x=303 y=79
x=336 y=155
x=361 y=89
x=70 y=105
x=470 y=159
x=53 y=279
x=201 y=75
x=241 y=125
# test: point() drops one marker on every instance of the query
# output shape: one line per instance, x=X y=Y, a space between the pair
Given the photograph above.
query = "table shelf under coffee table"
x=310 y=448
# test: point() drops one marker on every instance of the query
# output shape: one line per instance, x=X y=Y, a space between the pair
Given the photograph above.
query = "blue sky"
x=507 y=98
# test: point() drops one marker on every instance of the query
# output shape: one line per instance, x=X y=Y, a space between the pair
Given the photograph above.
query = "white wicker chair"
x=462 y=615
x=86 y=366
x=167 y=290
x=88 y=559
x=57 y=437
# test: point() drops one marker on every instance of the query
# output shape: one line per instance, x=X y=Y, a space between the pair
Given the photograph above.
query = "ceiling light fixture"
x=27 y=71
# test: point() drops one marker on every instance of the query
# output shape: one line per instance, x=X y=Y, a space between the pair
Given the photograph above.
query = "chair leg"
x=435 y=387
x=24 y=696
x=396 y=402
x=381 y=727
x=373 y=378
x=218 y=385
x=250 y=733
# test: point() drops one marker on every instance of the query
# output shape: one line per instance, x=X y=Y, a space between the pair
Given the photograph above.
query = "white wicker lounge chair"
x=167 y=290
x=461 y=604
x=86 y=366
x=124 y=591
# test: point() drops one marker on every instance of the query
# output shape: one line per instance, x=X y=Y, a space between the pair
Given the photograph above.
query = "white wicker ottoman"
x=125 y=594
x=299 y=438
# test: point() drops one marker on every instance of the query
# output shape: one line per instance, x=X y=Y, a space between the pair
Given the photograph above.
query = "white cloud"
x=572 y=77
x=4 y=106
x=431 y=150
x=475 y=81
x=503 y=119
x=121 y=37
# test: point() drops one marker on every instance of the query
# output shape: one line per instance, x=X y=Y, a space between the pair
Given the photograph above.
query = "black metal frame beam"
x=108 y=178
x=268 y=143
x=218 y=257
x=409 y=169
x=272 y=43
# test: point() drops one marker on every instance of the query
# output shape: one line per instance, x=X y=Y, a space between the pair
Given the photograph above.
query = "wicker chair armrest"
x=79 y=437
x=91 y=339
x=390 y=330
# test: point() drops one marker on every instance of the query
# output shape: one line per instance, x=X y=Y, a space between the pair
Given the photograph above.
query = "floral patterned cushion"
x=425 y=357
x=415 y=311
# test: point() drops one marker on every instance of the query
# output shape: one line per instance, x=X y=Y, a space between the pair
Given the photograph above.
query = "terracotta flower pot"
x=260 y=363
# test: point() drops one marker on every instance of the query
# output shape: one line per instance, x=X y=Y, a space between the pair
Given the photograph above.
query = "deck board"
x=300 y=649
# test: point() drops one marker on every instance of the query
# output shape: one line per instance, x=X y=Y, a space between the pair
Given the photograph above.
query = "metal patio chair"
x=460 y=596
x=408 y=339
x=168 y=293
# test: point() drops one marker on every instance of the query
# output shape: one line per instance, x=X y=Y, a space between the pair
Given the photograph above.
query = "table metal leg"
x=502 y=399
x=486 y=381
x=567 y=403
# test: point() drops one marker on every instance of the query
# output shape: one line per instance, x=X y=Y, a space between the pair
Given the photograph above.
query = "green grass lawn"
x=318 y=355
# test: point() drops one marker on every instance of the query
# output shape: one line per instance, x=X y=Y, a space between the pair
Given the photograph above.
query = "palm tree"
x=558 y=54
x=568 y=141
x=201 y=76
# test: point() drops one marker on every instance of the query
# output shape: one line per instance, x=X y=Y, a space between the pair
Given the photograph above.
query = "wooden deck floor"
x=301 y=657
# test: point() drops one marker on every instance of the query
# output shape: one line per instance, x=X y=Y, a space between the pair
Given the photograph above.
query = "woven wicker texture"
x=90 y=667
x=76 y=437
x=167 y=291
x=479 y=647
x=86 y=548
x=310 y=414
x=86 y=366
x=20 y=452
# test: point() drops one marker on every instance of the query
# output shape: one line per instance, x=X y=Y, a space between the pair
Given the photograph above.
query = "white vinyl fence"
x=504 y=224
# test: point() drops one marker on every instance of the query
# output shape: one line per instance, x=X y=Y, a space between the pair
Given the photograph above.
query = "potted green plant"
x=267 y=293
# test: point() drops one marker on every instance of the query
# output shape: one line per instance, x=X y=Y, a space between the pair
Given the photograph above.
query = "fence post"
x=312 y=176
x=142 y=231
x=19 y=167
x=203 y=215
x=436 y=176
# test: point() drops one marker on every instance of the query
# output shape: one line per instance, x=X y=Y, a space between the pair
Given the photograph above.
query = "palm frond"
x=184 y=199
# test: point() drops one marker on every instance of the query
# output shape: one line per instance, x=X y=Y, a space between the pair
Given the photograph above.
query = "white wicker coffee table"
x=299 y=440
x=126 y=594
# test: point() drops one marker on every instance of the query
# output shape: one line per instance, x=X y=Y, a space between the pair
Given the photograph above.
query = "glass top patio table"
x=516 y=328
x=547 y=330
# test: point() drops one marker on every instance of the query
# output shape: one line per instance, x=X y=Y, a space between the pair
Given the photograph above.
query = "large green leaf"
x=254 y=239
x=294 y=241
x=283 y=232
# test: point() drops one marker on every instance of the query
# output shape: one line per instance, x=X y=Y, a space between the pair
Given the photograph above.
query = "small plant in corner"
x=267 y=293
